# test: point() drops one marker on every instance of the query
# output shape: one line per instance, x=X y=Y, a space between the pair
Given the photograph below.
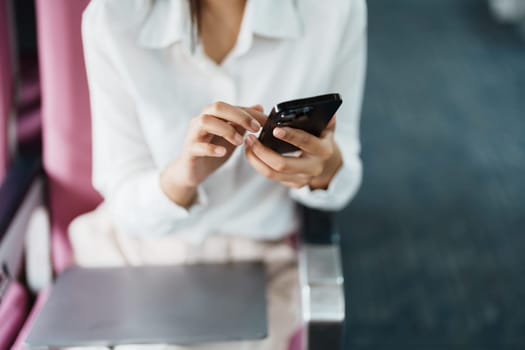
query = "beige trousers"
x=96 y=243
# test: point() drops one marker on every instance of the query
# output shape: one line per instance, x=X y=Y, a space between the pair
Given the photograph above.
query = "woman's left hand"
x=318 y=163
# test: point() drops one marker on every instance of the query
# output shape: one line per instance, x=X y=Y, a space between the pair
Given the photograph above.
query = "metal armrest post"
x=322 y=283
x=318 y=227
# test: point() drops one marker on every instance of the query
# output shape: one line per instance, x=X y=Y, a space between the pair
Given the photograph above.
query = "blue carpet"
x=434 y=243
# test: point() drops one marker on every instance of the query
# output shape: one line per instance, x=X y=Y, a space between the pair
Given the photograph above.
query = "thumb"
x=256 y=112
x=331 y=123
x=257 y=107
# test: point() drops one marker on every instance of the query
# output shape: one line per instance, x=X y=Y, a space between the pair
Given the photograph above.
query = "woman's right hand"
x=211 y=139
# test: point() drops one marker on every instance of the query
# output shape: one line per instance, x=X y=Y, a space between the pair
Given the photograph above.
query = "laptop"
x=180 y=305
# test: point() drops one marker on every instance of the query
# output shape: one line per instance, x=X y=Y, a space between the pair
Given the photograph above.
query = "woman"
x=177 y=88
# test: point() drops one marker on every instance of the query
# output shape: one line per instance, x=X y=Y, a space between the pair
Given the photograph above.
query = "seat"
x=67 y=173
x=66 y=121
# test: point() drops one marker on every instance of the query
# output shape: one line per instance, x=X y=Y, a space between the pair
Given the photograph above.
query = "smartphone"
x=309 y=114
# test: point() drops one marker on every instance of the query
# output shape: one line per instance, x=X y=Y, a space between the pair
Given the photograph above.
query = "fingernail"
x=278 y=132
x=220 y=151
x=249 y=140
x=238 y=139
x=255 y=125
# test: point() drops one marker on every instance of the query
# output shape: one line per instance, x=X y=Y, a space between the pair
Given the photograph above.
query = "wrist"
x=332 y=166
x=180 y=193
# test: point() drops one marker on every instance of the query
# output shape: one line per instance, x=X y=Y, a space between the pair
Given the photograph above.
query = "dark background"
x=434 y=243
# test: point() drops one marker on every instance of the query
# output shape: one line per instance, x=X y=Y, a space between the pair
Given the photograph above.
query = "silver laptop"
x=153 y=305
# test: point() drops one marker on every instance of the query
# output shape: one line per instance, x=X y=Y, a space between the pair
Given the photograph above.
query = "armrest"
x=318 y=226
x=321 y=279
x=20 y=193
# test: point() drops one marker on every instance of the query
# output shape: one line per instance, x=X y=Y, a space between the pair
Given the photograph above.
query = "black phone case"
x=309 y=114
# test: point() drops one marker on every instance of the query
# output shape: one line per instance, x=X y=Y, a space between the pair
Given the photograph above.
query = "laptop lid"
x=153 y=305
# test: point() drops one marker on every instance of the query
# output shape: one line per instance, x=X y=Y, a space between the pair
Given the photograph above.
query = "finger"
x=212 y=125
x=279 y=163
x=297 y=184
x=330 y=128
x=258 y=107
x=331 y=123
x=233 y=114
x=268 y=172
x=301 y=139
x=203 y=149
x=257 y=113
x=327 y=134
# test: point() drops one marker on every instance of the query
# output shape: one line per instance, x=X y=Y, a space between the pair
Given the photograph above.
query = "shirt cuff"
x=334 y=197
x=167 y=208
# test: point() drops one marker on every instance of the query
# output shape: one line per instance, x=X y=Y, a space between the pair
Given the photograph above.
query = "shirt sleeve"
x=348 y=80
x=123 y=169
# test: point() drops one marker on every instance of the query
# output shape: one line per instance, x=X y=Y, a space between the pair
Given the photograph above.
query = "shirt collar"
x=169 y=22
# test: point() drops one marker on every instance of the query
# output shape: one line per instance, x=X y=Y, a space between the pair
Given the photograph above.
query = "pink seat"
x=6 y=82
x=66 y=130
x=13 y=310
x=66 y=123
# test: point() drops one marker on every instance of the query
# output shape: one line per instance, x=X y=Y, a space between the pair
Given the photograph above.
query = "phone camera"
x=288 y=117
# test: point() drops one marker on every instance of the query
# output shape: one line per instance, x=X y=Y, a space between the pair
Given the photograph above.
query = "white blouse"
x=147 y=80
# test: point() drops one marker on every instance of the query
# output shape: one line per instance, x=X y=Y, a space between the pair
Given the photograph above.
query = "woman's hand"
x=211 y=139
x=318 y=163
